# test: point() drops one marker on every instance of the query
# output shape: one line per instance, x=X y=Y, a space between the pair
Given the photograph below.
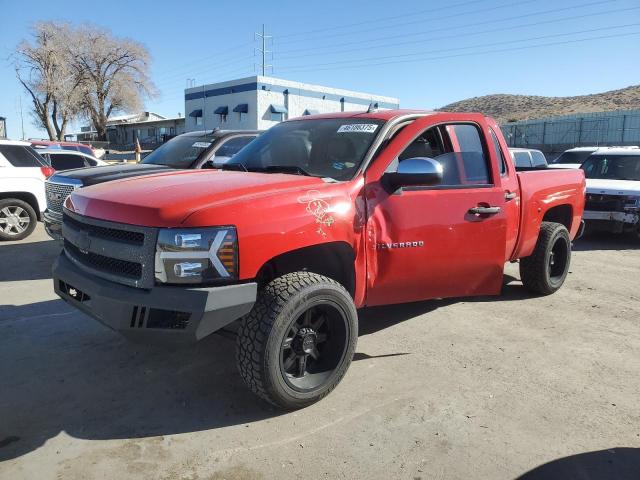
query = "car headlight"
x=196 y=255
x=632 y=201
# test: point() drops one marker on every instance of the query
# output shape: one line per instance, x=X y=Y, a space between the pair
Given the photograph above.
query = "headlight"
x=632 y=201
x=196 y=255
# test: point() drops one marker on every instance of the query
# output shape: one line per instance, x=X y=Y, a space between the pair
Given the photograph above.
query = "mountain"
x=505 y=107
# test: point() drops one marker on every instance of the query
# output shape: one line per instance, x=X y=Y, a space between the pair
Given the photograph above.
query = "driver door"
x=427 y=242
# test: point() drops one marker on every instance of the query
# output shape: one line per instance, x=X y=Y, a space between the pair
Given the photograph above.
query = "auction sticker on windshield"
x=358 y=128
x=201 y=144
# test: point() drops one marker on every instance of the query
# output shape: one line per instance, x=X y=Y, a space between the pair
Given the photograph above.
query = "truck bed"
x=540 y=192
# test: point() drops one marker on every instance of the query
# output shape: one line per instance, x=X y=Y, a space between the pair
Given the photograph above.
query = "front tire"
x=17 y=219
x=297 y=342
x=546 y=269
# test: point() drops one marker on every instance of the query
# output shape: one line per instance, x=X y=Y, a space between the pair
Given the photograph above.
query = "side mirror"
x=419 y=171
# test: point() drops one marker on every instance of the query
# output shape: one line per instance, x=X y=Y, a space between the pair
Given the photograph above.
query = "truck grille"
x=56 y=194
x=136 y=238
x=604 y=203
x=106 y=264
x=114 y=251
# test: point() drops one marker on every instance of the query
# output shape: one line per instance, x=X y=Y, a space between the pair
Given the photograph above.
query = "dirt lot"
x=488 y=388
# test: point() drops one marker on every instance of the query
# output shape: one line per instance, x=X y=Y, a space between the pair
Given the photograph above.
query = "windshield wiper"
x=238 y=167
x=286 y=169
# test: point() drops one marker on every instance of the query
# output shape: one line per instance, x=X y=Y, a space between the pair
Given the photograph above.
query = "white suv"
x=22 y=198
x=613 y=190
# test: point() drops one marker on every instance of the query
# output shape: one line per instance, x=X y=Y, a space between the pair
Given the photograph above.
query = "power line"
x=566 y=42
x=542 y=37
x=443 y=37
x=456 y=15
x=376 y=20
x=466 y=25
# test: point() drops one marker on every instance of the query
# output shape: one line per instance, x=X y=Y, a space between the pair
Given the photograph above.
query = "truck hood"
x=167 y=199
x=94 y=175
x=613 y=187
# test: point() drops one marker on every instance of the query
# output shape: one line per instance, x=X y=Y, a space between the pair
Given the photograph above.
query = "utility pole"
x=21 y=116
x=264 y=50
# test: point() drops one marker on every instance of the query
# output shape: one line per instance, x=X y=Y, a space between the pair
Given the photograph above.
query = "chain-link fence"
x=555 y=135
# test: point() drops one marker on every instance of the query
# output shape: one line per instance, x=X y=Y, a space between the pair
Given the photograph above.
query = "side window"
x=466 y=162
x=522 y=159
x=65 y=162
x=428 y=144
x=499 y=154
x=233 y=146
x=22 y=156
x=538 y=158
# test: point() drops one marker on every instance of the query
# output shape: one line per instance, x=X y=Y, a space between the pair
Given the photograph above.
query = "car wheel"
x=297 y=342
x=545 y=270
x=17 y=219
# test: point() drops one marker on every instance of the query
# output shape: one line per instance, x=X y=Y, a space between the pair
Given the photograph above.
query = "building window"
x=223 y=118
x=277 y=116
x=151 y=132
x=198 y=120
x=242 y=117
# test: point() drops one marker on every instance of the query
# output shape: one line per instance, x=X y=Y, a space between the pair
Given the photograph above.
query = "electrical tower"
x=264 y=37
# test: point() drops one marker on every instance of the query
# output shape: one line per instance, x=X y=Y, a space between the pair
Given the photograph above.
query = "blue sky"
x=427 y=53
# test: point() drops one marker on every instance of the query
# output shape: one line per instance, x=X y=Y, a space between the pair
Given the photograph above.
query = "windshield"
x=613 y=167
x=179 y=152
x=573 y=157
x=331 y=148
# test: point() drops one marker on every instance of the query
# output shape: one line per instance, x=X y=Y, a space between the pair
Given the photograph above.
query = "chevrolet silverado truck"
x=192 y=150
x=316 y=218
x=613 y=190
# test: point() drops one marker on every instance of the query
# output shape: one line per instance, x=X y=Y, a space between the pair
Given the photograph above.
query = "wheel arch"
x=27 y=197
x=335 y=260
x=562 y=214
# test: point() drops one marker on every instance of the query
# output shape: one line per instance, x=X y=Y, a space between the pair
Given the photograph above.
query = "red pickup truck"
x=314 y=219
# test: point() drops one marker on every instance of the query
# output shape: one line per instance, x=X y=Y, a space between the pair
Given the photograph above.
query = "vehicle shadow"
x=606 y=241
x=61 y=371
x=27 y=261
x=374 y=319
x=614 y=463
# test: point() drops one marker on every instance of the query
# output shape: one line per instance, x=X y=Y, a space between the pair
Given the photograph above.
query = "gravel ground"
x=486 y=388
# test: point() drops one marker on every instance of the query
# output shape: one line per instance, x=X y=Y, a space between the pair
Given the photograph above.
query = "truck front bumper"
x=53 y=224
x=162 y=314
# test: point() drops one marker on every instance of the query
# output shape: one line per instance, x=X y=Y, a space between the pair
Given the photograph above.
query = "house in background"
x=257 y=103
x=149 y=128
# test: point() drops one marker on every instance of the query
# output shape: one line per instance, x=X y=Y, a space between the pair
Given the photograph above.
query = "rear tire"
x=546 y=269
x=17 y=219
x=297 y=342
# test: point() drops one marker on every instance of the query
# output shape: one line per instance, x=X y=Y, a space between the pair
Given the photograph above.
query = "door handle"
x=510 y=195
x=484 y=210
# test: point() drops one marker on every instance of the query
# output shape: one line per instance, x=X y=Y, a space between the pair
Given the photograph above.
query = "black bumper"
x=53 y=224
x=158 y=315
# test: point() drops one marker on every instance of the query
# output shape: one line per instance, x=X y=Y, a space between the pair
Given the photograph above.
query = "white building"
x=257 y=103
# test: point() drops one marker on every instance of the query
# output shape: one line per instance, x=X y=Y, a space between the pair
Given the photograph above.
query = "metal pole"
x=624 y=125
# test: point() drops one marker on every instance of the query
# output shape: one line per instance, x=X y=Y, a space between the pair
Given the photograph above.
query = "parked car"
x=62 y=160
x=317 y=217
x=613 y=190
x=527 y=158
x=575 y=157
x=193 y=150
x=22 y=199
x=73 y=146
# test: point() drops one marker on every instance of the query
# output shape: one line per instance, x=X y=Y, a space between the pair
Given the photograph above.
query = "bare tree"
x=44 y=70
x=85 y=70
x=114 y=73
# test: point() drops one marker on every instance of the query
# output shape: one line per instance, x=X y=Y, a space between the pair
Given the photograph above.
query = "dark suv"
x=193 y=150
